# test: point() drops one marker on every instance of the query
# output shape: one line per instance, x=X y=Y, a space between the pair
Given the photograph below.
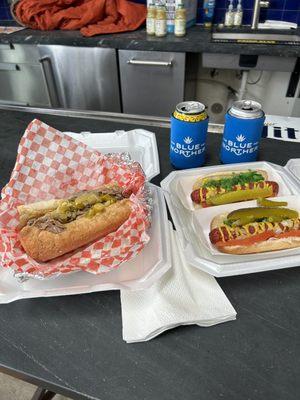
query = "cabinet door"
x=86 y=78
x=152 y=82
x=23 y=84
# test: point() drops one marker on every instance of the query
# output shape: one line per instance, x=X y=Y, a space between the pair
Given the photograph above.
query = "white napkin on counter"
x=183 y=296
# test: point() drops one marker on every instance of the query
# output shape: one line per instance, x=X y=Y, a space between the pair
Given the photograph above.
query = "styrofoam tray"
x=139 y=273
x=293 y=165
x=139 y=143
x=198 y=254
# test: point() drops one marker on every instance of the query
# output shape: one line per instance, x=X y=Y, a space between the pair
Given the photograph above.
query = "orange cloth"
x=92 y=17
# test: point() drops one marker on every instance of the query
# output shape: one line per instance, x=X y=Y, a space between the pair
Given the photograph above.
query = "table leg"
x=43 y=394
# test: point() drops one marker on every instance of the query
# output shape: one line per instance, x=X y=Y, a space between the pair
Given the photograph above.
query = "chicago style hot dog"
x=231 y=187
x=49 y=229
x=256 y=230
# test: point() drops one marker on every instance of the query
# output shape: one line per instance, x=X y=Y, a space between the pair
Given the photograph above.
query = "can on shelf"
x=189 y=124
x=244 y=124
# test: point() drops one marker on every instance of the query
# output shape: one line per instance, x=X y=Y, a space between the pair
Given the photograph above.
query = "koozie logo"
x=188 y=140
x=187 y=149
x=240 y=138
x=239 y=147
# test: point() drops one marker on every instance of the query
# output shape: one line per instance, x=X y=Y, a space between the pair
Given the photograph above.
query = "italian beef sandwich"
x=49 y=229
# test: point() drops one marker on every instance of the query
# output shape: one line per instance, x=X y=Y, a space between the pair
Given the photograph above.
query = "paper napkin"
x=183 y=296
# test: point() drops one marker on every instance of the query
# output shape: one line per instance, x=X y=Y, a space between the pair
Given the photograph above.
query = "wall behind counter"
x=4 y=11
x=284 y=10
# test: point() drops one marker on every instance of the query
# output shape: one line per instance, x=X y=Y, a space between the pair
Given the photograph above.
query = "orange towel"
x=92 y=17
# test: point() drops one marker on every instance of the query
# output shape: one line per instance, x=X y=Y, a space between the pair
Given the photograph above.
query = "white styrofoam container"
x=293 y=165
x=138 y=273
x=139 y=143
x=199 y=255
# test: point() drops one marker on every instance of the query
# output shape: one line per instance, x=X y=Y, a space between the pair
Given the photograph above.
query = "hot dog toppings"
x=226 y=233
x=228 y=182
x=211 y=195
x=261 y=223
x=86 y=204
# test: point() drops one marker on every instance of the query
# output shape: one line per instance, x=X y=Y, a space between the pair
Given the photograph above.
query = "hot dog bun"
x=262 y=247
x=218 y=221
x=272 y=244
x=43 y=245
x=218 y=175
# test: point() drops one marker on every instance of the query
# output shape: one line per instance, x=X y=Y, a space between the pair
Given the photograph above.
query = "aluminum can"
x=244 y=123
x=189 y=124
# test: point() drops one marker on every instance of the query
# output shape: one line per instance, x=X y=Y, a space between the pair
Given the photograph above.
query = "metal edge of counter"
x=145 y=120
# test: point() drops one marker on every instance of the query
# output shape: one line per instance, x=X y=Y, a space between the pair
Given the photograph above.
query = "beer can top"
x=190 y=107
x=248 y=109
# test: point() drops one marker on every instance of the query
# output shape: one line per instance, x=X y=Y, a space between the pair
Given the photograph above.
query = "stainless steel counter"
x=145 y=120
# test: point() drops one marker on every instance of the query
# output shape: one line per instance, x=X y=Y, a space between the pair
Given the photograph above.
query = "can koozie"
x=188 y=143
x=241 y=139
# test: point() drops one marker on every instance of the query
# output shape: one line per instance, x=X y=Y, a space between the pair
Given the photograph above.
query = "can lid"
x=249 y=109
x=190 y=107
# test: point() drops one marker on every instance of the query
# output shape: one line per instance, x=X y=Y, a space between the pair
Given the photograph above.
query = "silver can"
x=190 y=107
x=246 y=109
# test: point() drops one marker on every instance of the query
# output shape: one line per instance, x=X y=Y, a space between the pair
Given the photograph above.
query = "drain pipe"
x=242 y=90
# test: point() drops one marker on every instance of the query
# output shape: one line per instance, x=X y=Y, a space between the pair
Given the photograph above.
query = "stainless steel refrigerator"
x=81 y=77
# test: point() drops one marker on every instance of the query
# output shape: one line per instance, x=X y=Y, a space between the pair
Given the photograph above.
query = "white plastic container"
x=140 y=272
x=139 y=143
x=199 y=254
x=293 y=165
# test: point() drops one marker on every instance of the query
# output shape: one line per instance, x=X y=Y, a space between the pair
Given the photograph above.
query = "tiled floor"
x=14 y=389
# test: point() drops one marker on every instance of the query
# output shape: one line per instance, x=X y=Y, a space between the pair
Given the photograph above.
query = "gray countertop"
x=197 y=40
x=73 y=344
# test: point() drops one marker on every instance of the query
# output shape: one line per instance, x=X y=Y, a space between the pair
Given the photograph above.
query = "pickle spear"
x=270 y=203
x=240 y=195
x=245 y=216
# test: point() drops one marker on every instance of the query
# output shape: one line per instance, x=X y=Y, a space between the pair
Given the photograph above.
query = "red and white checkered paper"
x=51 y=164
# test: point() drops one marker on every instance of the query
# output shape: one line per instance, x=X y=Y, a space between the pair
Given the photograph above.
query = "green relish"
x=229 y=182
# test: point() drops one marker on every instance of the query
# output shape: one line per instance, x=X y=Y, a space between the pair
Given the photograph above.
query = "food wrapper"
x=50 y=165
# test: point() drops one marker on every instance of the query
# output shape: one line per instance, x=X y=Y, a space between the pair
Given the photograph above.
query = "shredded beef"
x=46 y=223
x=54 y=225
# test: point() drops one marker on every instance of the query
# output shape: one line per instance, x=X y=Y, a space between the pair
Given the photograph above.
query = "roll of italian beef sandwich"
x=256 y=230
x=49 y=229
x=231 y=187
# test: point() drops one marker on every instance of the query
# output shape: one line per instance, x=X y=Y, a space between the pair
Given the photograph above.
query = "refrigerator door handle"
x=51 y=87
x=133 y=61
